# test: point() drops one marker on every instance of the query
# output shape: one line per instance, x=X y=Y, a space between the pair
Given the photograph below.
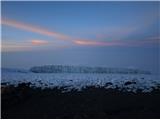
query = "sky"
x=108 y=34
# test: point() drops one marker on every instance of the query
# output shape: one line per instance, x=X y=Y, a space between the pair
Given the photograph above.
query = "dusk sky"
x=109 y=34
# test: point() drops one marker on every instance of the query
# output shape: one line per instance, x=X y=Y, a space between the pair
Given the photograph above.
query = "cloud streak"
x=32 y=28
x=97 y=43
x=39 y=42
x=10 y=47
x=128 y=43
x=80 y=42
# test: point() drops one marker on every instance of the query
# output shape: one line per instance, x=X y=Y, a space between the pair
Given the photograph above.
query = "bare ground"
x=26 y=102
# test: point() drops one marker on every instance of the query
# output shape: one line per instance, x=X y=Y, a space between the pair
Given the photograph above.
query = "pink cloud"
x=12 y=46
x=98 y=43
x=128 y=43
x=83 y=42
x=32 y=28
x=39 y=42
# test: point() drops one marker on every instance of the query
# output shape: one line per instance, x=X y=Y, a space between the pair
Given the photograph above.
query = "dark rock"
x=108 y=84
x=129 y=82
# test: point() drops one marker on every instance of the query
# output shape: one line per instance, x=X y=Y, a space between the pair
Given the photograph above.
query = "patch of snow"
x=81 y=80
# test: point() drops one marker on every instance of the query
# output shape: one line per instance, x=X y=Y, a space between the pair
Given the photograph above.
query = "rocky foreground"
x=24 y=101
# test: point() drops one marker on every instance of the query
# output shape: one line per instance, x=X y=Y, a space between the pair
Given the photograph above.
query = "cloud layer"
x=75 y=41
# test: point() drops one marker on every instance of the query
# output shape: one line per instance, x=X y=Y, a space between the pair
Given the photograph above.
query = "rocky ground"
x=91 y=102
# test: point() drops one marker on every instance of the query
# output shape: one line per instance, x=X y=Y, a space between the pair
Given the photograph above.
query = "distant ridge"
x=14 y=70
x=84 y=69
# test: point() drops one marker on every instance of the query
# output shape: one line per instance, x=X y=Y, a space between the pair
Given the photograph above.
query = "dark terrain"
x=26 y=102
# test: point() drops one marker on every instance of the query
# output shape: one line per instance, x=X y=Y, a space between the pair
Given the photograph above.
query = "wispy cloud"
x=97 y=43
x=129 y=43
x=39 y=42
x=32 y=28
x=10 y=47
x=124 y=31
x=81 y=42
